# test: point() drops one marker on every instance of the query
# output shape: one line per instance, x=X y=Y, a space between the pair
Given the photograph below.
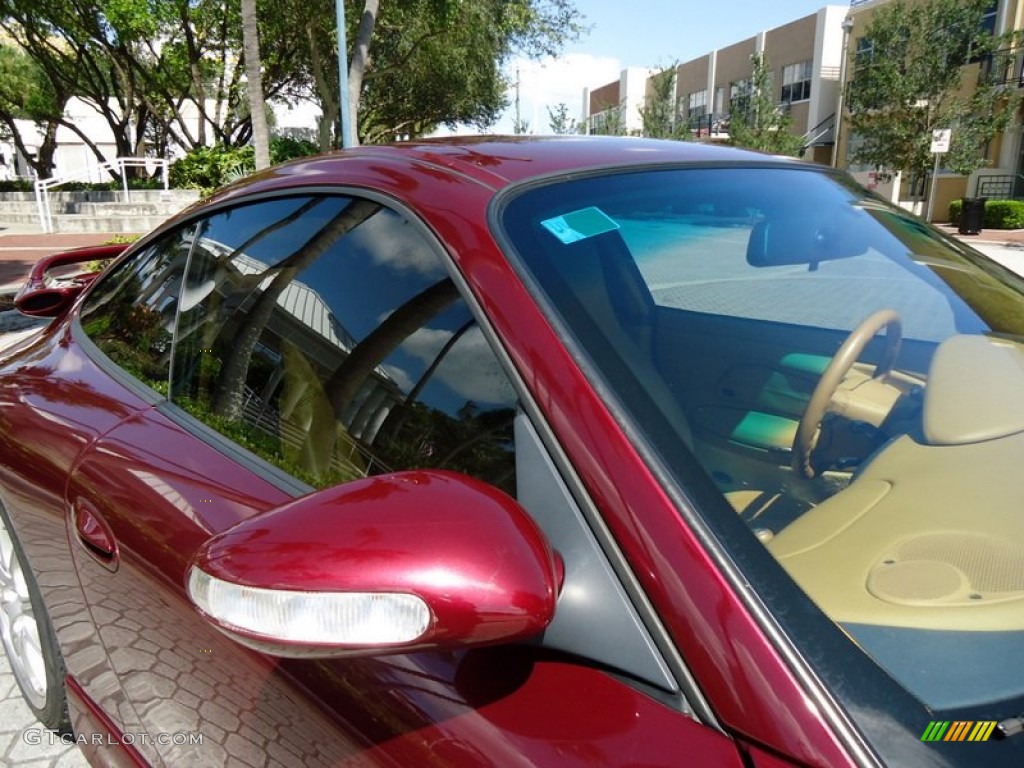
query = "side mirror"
x=47 y=293
x=394 y=563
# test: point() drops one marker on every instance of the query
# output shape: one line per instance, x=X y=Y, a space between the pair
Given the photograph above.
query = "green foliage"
x=999 y=214
x=118 y=239
x=283 y=148
x=25 y=91
x=432 y=62
x=16 y=185
x=207 y=168
x=913 y=75
x=610 y=122
x=660 y=113
x=755 y=120
x=560 y=122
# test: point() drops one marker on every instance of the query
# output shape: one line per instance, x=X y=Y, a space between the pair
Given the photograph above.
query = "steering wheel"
x=807 y=432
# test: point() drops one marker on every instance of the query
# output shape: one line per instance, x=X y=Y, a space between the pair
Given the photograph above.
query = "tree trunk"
x=257 y=106
x=231 y=381
x=360 y=60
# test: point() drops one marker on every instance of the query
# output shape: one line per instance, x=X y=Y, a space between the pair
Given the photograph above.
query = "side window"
x=325 y=335
x=130 y=314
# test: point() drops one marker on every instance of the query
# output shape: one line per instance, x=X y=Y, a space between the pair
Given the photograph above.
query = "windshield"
x=850 y=381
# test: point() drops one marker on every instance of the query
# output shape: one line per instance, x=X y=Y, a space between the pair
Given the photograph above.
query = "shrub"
x=283 y=148
x=999 y=214
x=16 y=185
x=956 y=208
x=1004 y=214
x=206 y=168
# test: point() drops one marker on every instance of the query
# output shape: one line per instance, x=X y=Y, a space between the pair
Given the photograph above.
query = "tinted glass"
x=130 y=313
x=838 y=382
x=324 y=334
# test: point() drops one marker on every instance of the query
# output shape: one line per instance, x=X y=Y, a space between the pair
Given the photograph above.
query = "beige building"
x=1003 y=177
x=804 y=57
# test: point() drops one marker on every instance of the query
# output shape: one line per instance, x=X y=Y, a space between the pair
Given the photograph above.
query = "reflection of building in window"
x=300 y=346
x=326 y=337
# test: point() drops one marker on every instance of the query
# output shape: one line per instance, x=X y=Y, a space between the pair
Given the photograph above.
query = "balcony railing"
x=1004 y=67
x=1002 y=187
x=710 y=126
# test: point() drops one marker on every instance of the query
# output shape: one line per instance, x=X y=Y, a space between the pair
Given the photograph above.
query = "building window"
x=697 y=104
x=796 y=82
x=988 y=20
x=865 y=52
x=740 y=93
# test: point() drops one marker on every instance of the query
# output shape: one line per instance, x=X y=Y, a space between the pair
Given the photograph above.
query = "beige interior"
x=930 y=534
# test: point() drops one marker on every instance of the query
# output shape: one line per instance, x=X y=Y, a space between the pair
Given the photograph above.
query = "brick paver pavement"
x=23 y=742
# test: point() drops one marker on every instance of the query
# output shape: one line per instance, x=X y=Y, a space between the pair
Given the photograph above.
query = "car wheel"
x=28 y=636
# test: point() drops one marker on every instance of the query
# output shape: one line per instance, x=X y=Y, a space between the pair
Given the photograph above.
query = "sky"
x=645 y=33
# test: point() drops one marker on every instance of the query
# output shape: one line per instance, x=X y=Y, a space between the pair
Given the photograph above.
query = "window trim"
x=801 y=74
x=818 y=689
x=691 y=698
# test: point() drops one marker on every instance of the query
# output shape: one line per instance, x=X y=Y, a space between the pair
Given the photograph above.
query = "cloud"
x=469 y=369
x=392 y=241
x=549 y=82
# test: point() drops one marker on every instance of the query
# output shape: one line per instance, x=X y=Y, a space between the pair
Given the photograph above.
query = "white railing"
x=43 y=186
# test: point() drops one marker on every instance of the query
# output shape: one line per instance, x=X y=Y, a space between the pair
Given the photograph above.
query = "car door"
x=318 y=339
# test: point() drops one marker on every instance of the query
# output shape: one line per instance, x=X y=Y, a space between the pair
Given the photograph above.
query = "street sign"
x=941 y=139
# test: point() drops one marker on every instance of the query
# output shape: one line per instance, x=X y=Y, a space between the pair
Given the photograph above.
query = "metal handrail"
x=43 y=186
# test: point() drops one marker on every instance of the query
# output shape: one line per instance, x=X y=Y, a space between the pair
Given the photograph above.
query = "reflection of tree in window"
x=131 y=313
x=294 y=340
x=228 y=400
x=476 y=437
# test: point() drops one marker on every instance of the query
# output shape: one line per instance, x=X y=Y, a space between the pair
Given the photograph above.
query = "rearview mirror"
x=394 y=563
x=808 y=239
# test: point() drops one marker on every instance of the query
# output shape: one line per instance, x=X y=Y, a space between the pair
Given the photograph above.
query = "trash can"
x=972 y=217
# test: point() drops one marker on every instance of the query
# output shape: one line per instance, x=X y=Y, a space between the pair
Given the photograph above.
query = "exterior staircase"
x=97 y=211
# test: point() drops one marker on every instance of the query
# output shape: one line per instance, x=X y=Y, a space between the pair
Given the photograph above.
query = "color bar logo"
x=959 y=730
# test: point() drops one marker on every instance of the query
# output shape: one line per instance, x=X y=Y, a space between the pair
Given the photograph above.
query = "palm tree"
x=257 y=105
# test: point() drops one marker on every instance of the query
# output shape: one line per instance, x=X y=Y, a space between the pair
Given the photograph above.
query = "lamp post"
x=847 y=28
x=347 y=134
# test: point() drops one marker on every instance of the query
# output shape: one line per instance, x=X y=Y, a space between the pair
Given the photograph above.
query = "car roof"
x=509 y=159
x=493 y=161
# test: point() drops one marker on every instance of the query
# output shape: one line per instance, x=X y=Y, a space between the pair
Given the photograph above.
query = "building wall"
x=1004 y=151
x=692 y=76
x=627 y=95
x=817 y=38
x=731 y=65
x=603 y=98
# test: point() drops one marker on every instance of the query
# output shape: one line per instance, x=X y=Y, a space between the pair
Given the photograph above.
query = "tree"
x=755 y=119
x=660 y=114
x=427 y=63
x=27 y=94
x=609 y=122
x=914 y=73
x=559 y=121
x=254 y=85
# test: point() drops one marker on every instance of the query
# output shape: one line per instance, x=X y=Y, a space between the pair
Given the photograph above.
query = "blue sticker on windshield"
x=579 y=225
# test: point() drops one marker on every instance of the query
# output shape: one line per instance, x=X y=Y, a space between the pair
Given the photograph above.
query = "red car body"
x=113 y=502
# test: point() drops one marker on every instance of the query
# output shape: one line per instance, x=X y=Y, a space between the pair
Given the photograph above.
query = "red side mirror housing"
x=394 y=563
x=45 y=294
